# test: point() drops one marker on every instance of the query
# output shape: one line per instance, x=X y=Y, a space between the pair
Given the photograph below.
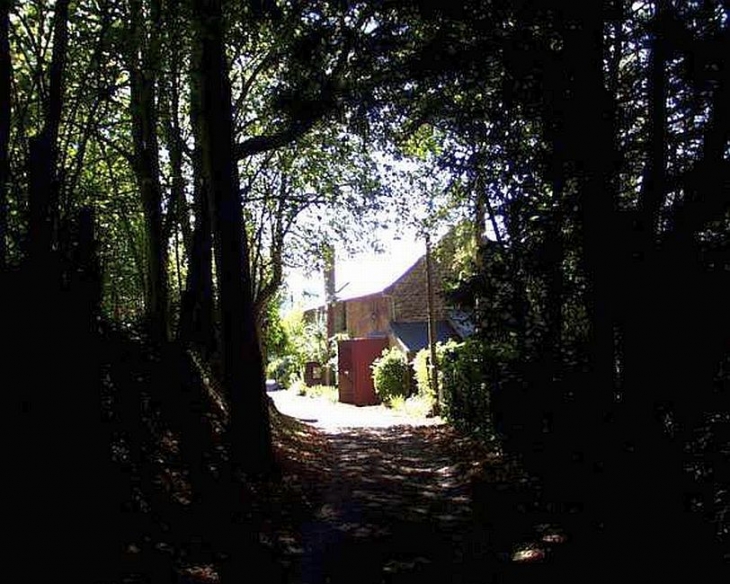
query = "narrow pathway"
x=398 y=501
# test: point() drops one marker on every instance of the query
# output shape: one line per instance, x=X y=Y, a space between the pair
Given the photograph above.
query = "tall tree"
x=5 y=81
x=242 y=366
x=43 y=172
x=197 y=304
x=145 y=42
x=615 y=109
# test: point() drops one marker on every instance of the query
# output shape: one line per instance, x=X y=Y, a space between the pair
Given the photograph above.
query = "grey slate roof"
x=414 y=335
x=462 y=322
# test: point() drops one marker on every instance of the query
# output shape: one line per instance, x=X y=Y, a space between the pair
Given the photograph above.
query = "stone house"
x=399 y=311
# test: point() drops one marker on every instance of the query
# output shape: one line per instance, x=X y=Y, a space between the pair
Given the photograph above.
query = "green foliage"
x=315 y=343
x=276 y=338
x=293 y=325
x=284 y=356
x=464 y=386
x=423 y=143
x=456 y=251
x=420 y=406
x=298 y=341
x=390 y=375
x=425 y=401
x=283 y=369
x=397 y=402
x=421 y=373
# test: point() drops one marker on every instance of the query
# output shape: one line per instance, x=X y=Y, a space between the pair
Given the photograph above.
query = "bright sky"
x=366 y=273
x=360 y=274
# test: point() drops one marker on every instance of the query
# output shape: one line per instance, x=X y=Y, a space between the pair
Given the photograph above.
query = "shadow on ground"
x=411 y=504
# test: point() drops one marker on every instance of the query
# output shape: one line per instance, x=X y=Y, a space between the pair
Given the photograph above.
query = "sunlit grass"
x=328 y=392
x=416 y=406
x=397 y=402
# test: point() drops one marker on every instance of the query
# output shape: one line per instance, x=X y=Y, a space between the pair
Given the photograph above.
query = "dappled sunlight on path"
x=395 y=502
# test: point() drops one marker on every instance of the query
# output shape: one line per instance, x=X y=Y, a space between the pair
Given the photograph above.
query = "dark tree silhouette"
x=145 y=54
x=6 y=71
x=587 y=143
x=242 y=366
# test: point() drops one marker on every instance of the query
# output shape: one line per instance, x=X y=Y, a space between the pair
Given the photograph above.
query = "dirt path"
x=400 y=500
x=329 y=416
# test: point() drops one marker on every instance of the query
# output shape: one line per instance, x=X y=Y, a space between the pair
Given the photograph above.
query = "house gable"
x=366 y=316
x=404 y=301
x=410 y=293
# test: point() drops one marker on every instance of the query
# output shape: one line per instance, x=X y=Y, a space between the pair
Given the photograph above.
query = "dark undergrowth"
x=120 y=473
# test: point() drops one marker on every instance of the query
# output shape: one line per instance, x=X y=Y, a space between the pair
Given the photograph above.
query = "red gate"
x=355 y=356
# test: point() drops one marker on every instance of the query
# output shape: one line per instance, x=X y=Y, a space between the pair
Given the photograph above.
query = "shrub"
x=425 y=399
x=283 y=369
x=465 y=388
x=421 y=373
x=390 y=375
x=328 y=392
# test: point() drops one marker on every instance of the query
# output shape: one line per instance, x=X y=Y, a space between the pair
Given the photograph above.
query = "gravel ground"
x=398 y=500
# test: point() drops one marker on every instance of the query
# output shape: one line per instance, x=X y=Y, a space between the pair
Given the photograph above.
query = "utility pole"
x=329 y=305
x=433 y=365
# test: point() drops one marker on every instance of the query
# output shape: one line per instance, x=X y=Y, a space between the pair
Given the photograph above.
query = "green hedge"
x=390 y=375
x=464 y=386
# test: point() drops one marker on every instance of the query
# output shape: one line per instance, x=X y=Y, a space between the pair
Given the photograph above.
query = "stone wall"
x=406 y=300
x=410 y=294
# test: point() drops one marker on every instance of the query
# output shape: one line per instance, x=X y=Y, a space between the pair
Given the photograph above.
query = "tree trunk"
x=265 y=290
x=654 y=179
x=248 y=429
x=5 y=79
x=588 y=112
x=43 y=160
x=554 y=247
x=642 y=336
x=242 y=366
x=433 y=365
x=143 y=76
x=634 y=489
x=197 y=320
x=554 y=256
x=643 y=327
x=55 y=309
x=179 y=211
x=197 y=306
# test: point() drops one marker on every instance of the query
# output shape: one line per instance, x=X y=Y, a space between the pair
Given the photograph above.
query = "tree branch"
x=259 y=144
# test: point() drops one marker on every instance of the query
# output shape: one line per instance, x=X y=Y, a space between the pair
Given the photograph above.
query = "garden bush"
x=284 y=369
x=390 y=375
x=420 y=370
x=465 y=388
